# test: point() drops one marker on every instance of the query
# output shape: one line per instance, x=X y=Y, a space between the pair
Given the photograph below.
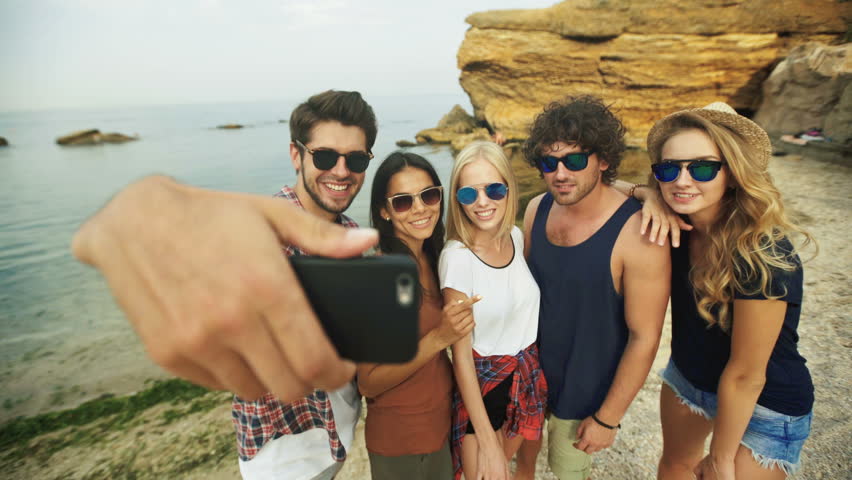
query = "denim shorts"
x=775 y=439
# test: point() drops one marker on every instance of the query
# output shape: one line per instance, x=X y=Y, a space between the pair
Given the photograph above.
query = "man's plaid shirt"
x=266 y=419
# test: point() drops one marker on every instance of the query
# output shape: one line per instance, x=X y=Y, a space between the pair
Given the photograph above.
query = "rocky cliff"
x=811 y=88
x=648 y=57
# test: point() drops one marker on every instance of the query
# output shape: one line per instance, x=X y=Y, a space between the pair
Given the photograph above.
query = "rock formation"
x=811 y=88
x=456 y=122
x=4 y=142
x=93 y=137
x=647 y=57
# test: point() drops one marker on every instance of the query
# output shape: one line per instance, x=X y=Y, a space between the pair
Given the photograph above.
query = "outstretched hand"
x=201 y=277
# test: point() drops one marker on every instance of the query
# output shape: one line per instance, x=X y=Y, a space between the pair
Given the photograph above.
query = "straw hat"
x=722 y=114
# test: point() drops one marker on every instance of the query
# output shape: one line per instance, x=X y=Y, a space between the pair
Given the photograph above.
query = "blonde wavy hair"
x=743 y=243
x=458 y=225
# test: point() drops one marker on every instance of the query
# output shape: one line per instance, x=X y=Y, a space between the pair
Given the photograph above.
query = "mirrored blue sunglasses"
x=494 y=191
x=699 y=170
x=573 y=161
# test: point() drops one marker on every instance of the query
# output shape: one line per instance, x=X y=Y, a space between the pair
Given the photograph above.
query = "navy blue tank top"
x=582 y=332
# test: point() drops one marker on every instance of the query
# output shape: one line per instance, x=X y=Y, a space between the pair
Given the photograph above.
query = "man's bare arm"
x=201 y=277
x=645 y=286
x=529 y=219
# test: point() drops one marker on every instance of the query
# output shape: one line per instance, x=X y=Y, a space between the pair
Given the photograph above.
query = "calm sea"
x=46 y=191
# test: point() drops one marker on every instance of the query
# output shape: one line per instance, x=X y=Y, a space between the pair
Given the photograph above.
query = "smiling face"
x=416 y=224
x=484 y=214
x=328 y=192
x=700 y=200
x=569 y=187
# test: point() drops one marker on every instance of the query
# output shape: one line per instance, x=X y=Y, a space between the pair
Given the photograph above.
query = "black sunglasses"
x=572 y=161
x=699 y=170
x=404 y=201
x=326 y=159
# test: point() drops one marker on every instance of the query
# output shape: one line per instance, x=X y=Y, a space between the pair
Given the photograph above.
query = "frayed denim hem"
x=772 y=463
x=691 y=406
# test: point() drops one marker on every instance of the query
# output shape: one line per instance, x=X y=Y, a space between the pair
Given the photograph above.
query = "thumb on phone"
x=312 y=234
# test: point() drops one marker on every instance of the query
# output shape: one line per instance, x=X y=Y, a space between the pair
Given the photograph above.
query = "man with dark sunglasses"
x=201 y=277
x=604 y=286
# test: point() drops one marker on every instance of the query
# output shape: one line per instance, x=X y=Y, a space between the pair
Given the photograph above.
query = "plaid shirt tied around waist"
x=527 y=397
x=265 y=419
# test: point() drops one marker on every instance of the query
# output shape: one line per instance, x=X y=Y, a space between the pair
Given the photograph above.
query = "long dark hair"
x=388 y=243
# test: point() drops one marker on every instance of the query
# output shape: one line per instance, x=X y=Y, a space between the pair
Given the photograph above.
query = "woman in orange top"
x=409 y=405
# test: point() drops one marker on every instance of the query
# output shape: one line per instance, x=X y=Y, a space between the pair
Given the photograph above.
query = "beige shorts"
x=566 y=462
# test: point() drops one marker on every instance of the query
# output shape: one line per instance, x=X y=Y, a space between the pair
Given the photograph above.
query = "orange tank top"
x=414 y=417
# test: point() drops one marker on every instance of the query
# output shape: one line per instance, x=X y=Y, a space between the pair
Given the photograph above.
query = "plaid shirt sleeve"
x=263 y=420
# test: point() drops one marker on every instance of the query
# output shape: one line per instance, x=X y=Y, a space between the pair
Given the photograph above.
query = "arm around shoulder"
x=646 y=280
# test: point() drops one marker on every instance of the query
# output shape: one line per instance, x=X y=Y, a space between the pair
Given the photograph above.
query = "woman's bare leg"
x=526 y=461
x=747 y=467
x=684 y=433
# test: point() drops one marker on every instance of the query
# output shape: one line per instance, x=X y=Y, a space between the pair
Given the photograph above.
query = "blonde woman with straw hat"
x=735 y=370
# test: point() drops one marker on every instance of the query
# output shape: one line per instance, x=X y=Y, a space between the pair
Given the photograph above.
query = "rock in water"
x=455 y=123
x=647 y=57
x=81 y=137
x=93 y=137
x=117 y=138
x=4 y=142
x=811 y=88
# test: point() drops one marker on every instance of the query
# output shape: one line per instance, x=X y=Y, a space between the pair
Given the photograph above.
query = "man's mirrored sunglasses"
x=572 y=161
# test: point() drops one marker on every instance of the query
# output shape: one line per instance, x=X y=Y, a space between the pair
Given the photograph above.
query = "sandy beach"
x=193 y=438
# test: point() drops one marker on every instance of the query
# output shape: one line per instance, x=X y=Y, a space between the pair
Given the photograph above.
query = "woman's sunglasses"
x=572 y=161
x=326 y=159
x=404 y=201
x=699 y=170
x=494 y=191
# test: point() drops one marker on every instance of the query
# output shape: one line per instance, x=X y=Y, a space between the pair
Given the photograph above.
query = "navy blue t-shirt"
x=701 y=353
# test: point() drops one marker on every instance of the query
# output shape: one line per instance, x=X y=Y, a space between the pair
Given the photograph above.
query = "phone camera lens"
x=405 y=289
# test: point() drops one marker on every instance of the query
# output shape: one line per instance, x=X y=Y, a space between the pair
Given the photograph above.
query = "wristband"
x=599 y=422
x=633 y=189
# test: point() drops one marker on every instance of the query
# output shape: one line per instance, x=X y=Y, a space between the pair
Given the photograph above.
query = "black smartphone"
x=369 y=306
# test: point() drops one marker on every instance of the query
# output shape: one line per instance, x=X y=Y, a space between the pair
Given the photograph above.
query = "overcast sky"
x=103 y=53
